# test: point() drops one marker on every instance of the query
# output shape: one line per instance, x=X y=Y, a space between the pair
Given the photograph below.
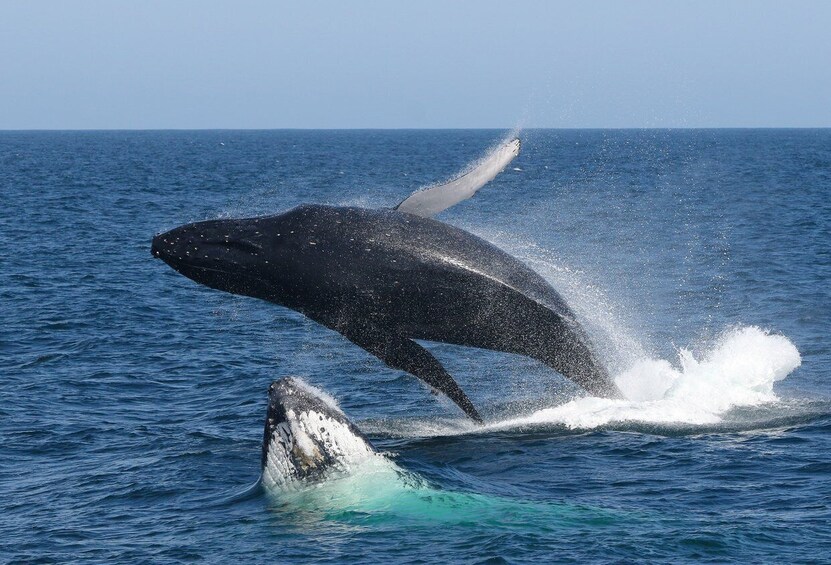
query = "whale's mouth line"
x=190 y=267
x=239 y=244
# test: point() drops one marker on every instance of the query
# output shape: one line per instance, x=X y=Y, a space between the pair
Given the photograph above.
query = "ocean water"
x=133 y=399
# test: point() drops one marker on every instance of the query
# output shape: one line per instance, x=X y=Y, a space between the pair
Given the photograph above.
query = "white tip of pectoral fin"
x=430 y=201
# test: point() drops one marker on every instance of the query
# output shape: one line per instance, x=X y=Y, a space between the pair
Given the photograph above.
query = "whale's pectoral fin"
x=430 y=201
x=406 y=355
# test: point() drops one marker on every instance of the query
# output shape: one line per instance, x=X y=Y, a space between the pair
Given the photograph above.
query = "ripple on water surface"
x=134 y=399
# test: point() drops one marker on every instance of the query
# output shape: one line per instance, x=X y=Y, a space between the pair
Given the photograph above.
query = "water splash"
x=739 y=371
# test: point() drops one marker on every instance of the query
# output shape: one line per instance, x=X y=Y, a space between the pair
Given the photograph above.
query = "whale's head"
x=306 y=436
x=250 y=256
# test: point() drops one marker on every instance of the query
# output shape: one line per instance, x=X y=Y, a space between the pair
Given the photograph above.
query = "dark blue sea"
x=132 y=399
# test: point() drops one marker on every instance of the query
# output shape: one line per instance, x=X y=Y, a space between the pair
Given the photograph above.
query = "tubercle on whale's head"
x=290 y=396
x=250 y=256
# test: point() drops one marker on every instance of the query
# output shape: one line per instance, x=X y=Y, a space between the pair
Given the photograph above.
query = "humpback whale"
x=306 y=438
x=384 y=278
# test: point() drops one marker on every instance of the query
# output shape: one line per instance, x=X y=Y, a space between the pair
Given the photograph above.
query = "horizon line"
x=570 y=128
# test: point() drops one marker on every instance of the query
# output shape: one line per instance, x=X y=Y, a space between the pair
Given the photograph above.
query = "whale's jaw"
x=307 y=438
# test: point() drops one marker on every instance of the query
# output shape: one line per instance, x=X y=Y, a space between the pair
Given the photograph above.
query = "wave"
x=739 y=371
x=730 y=387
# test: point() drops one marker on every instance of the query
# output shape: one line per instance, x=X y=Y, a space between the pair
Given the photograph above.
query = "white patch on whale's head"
x=307 y=438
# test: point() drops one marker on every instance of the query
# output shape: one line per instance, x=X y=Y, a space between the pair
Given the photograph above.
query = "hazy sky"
x=442 y=64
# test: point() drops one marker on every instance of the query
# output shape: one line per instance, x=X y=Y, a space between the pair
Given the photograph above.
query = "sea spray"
x=616 y=344
x=739 y=371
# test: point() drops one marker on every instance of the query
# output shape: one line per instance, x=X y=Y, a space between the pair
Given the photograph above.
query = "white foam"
x=740 y=370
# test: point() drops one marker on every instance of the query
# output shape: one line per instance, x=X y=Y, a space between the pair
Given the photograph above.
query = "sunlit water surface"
x=133 y=399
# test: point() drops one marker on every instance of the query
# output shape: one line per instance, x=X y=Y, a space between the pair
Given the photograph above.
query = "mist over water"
x=697 y=260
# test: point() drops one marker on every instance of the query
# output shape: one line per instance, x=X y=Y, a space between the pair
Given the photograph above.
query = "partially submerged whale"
x=307 y=438
x=384 y=278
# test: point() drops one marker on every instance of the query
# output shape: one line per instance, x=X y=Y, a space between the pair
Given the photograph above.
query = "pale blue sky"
x=437 y=64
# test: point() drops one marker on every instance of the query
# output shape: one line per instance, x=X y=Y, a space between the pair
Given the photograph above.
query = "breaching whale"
x=384 y=278
x=306 y=438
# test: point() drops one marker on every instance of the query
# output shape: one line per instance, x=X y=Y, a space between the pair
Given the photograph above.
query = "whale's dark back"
x=395 y=249
x=391 y=272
